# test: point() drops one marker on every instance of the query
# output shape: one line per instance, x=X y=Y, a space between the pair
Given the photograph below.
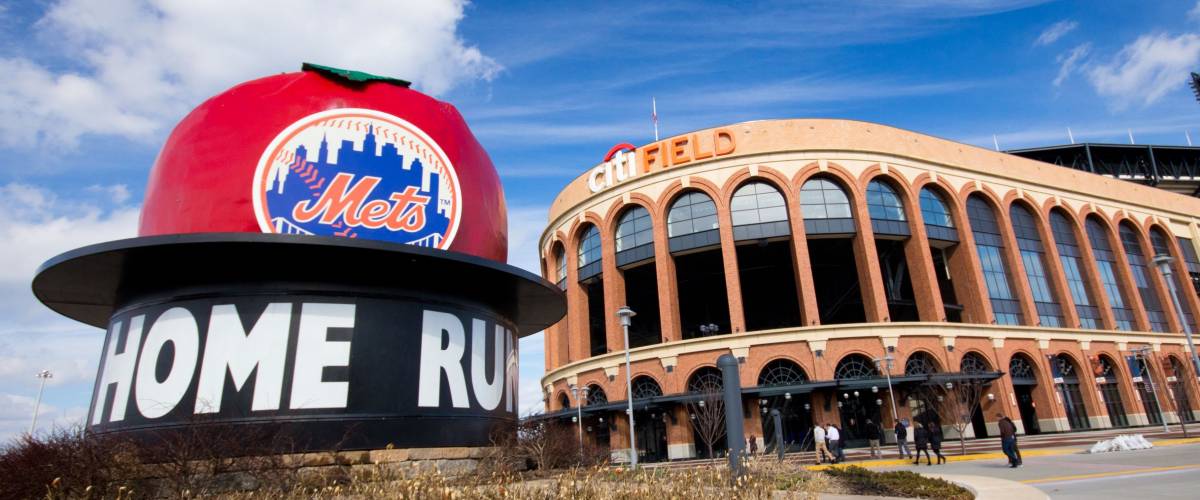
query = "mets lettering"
x=341 y=202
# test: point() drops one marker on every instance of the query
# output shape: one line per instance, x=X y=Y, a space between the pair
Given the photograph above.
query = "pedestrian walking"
x=752 y=445
x=935 y=441
x=921 y=442
x=835 y=442
x=821 y=444
x=902 y=438
x=1008 y=439
x=873 y=433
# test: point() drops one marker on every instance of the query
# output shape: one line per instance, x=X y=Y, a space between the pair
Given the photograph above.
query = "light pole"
x=1142 y=352
x=880 y=365
x=44 y=374
x=1164 y=266
x=579 y=414
x=626 y=314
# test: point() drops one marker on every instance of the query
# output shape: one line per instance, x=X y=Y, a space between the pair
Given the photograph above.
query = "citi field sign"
x=320 y=257
x=624 y=162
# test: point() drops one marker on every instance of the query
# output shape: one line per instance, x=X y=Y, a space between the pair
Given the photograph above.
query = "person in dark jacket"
x=935 y=442
x=921 y=443
x=902 y=438
x=873 y=432
x=901 y=431
x=1008 y=438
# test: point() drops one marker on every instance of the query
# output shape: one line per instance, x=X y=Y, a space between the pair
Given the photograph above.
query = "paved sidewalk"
x=992 y=488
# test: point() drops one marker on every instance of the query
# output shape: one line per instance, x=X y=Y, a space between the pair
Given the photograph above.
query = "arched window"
x=883 y=203
x=634 y=229
x=1066 y=367
x=1068 y=256
x=1106 y=261
x=1142 y=277
x=1029 y=244
x=886 y=210
x=707 y=379
x=1019 y=368
x=855 y=366
x=973 y=362
x=934 y=210
x=596 y=395
x=560 y=260
x=990 y=247
x=1105 y=367
x=758 y=211
x=920 y=363
x=822 y=199
x=589 y=246
x=693 y=212
x=564 y=401
x=645 y=388
x=781 y=372
x=635 y=236
x=756 y=203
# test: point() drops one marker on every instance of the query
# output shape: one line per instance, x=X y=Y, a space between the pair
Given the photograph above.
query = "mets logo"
x=358 y=173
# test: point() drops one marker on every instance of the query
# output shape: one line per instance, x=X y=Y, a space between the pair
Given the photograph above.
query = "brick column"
x=577 y=308
x=680 y=440
x=668 y=287
x=733 y=283
x=866 y=260
x=1049 y=391
x=920 y=264
x=614 y=290
x=810 y=312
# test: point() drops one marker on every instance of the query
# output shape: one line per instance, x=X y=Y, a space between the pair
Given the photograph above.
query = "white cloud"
x=141 y=64
x=118 y=193
x=16 y=413
x=1069 y=61
x=1055 y=31
x=1194 y=14
x=1147 y=69
x=41 y=224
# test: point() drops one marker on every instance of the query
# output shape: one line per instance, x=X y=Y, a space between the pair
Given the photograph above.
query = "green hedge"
x=898 y=484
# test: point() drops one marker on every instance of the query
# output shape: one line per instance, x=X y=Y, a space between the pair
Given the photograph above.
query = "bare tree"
x=955 y=403
x=708 y=415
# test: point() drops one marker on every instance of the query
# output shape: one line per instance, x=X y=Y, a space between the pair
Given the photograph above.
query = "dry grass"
x=763 y=481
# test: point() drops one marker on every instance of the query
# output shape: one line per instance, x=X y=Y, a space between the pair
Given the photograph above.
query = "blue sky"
x=91 y=89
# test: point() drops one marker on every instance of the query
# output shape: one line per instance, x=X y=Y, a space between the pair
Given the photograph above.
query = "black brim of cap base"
x=89 y=284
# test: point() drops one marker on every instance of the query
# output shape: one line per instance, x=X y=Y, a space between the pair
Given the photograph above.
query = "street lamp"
x=626 y=314
x=44 y=374
x=579 y=413
x=1142 y=353
x=885 y=365
x=1164 y=266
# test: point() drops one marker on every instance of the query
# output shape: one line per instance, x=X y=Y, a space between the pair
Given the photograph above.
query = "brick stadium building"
x=810 y=249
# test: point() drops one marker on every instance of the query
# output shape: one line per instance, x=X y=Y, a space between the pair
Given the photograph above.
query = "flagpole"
x=654 y=116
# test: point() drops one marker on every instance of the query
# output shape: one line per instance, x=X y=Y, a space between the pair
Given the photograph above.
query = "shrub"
x=897 y=483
